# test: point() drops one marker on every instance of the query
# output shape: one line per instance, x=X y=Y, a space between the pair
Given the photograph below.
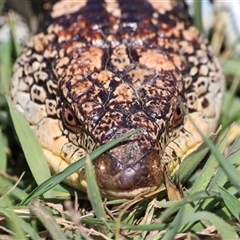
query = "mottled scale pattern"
x=99 y=69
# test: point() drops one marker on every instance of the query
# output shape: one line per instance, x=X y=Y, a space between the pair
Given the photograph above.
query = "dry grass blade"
x=47 y=220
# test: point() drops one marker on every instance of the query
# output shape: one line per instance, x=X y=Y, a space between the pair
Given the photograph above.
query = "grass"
x=36 y=206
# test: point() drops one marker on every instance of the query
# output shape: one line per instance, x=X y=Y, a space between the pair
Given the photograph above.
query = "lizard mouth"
x=119 y=178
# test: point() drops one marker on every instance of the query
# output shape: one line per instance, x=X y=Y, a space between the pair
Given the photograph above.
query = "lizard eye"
x=69 y=118
x=178 y=115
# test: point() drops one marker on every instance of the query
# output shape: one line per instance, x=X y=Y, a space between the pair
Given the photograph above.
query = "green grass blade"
x=7 y=187
x=93 y=190
x=231 y=107
x=229 y=169
x=231 y=66
x=57 y=178
x=205 y=177
x=12 y=22
x=18 y=225
x=1 y=5
x=219 y=179
x=190 y=163
x=198 y=14
x=125 y=226
x=225 y=231
x=3 y=154
x=170 y=234
x=31 y=148
x=148 y=218
x=208 y=171
x=188 y=199
x=5 y=66
x=231 y=202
